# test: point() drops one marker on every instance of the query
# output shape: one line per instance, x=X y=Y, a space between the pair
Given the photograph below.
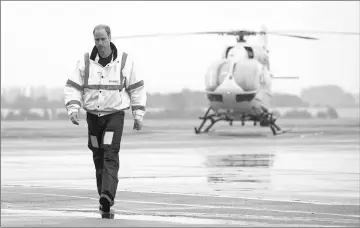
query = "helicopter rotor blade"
x=228 y=32
x=166 y=34
x=319 y=32
x=243 y=33
x=294 y=36
x=286 y=33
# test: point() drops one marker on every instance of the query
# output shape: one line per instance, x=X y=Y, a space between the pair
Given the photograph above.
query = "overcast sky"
x=41 y=41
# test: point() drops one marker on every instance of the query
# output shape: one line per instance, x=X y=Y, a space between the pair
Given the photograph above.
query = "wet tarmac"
x=234 y=176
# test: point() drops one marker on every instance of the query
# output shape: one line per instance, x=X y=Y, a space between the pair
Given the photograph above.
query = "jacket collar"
x=94 y=52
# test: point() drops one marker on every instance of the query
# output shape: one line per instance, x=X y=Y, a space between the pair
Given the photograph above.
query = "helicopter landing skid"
x=213 y=119
x=267 y=119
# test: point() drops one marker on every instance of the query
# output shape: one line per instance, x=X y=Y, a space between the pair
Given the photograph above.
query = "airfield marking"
x=239 y=197
x=159 y=218
x=186 y=205
x=262 y=217
x=169 y=217
x=177 y=219
x=220 y=216
x=190 y=194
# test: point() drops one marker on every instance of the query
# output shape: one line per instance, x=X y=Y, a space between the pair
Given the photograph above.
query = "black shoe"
x=106 y=215
x=104 y=207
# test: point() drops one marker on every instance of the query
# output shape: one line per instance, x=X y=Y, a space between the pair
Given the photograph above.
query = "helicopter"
x=238 y=85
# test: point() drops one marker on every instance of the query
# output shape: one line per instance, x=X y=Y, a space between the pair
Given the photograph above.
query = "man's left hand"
x=137 y=124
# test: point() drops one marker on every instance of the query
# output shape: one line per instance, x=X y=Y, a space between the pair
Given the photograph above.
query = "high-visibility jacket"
x=108 y=89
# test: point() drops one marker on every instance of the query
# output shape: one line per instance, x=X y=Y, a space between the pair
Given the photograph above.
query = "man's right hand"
x=137 y=124
x=74 y=117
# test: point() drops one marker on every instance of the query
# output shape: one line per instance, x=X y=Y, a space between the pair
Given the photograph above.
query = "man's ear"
x=110 y=38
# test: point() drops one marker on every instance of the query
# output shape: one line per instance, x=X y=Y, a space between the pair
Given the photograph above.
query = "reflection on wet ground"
x=241 y=160
x=243 y=168
x=309 y=168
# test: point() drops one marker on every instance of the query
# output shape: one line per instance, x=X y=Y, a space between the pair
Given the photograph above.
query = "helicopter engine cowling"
x=246 y=72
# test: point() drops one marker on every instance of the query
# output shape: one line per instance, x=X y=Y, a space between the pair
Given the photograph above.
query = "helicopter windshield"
x=250 y=52
x=227 y=51
x=237 y=52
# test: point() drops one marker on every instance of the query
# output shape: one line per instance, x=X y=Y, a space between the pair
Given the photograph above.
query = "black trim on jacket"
x=95 y=51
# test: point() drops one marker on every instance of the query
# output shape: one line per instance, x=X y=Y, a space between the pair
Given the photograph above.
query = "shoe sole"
x=107 y=215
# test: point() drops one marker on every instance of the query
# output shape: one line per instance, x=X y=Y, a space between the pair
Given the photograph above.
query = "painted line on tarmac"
x=201 y=215
x=8 y=214
x=186 y=218
x=262 y=217
x=246 y=198
x=200 y=195
x=233 y=207
x=170 y=219
x=188 y=205
x=166 y=208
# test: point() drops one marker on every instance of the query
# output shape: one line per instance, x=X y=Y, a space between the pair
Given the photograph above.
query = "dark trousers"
x=104 y=137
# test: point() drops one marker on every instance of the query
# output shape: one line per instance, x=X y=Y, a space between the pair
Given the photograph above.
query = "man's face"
x=102 y=40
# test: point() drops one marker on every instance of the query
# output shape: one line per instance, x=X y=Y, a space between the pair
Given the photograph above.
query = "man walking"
x=105 y=84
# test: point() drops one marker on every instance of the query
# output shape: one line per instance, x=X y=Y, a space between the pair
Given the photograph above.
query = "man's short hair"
x=101 y=26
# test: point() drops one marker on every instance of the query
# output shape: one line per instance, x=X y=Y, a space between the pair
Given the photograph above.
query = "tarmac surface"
x=233 y=176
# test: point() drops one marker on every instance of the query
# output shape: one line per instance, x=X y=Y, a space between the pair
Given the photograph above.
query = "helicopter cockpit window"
x=227 y=52
x=250 y=52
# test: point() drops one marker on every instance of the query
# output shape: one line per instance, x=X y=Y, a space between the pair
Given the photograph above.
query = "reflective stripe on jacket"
x=103 y=92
